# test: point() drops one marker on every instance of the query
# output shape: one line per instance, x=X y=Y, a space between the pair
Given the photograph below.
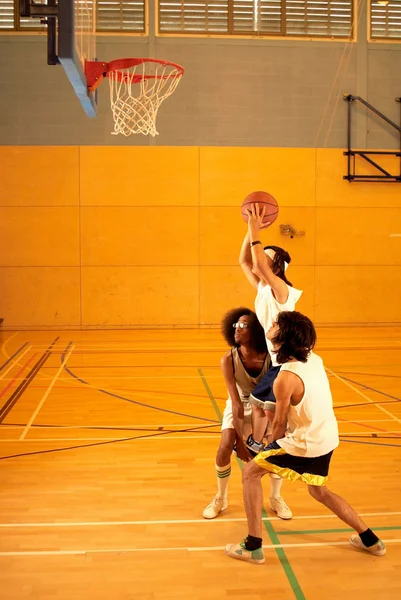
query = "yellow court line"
x=352 y=387
x=4 y=344
x=45 y=395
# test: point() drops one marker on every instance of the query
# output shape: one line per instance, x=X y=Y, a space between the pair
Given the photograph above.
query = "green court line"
x=209 y=391
x=285 y=563
x=347 y=530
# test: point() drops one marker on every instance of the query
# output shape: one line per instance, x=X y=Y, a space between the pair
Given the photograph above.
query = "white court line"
x=49 y=389
x=178 y=549
x=151 y=438
x=125 y=426
x=140 y=439
x=106 y=377
x=364 y=396
x=369 y=421
x=183 y=521
x=13 y=364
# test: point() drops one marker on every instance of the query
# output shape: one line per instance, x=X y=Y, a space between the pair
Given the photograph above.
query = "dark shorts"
x=262 y=394
x=312 y=470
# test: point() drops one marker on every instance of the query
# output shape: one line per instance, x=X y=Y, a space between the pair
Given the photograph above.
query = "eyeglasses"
x=240 y=325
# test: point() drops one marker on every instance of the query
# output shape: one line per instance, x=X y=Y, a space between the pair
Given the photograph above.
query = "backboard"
x=77 y=44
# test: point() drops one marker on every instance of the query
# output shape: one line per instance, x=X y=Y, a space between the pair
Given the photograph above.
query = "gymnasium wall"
x=147 y=237
x=235 y=92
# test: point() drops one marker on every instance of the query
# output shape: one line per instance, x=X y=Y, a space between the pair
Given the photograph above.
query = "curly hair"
x=278 y=267
x=257 y=334
x=295 y=338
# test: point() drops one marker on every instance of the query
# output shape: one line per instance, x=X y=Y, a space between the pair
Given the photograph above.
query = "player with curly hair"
x=243 y=366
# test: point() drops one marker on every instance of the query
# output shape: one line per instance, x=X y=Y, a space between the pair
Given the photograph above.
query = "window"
x=120 y=15
x=111 y=15
x=385 y=20
x=307 y=18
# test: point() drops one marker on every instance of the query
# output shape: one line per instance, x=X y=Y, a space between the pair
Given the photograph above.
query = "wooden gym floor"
x=107 y=447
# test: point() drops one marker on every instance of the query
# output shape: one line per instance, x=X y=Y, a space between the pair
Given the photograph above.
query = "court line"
x=372 y=443
x=123 y=427
x=220 y=521
x=12 y=357
x=22 y=369
x=285 y=563
x=276 y=547
x=367 y=387
x=352 y=387
x=145 y=439
x=11 y=367
x=108 y=393
x=49 y=389
x=16 y=395
x=115 y=439
x=339 y=530
x=92 y=445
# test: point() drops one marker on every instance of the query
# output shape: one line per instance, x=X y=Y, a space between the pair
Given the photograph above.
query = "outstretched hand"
x=255 y=217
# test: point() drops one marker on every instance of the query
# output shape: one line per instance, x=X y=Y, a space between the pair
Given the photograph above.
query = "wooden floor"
x=107 y=447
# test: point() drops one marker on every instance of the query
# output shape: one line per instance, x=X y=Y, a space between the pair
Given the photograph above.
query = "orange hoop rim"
x=96 y=71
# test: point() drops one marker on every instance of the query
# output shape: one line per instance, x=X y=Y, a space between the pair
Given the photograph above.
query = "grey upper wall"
x=235 y=92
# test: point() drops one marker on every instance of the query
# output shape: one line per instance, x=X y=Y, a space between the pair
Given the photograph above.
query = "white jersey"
x=267 y=308
x=312 y=425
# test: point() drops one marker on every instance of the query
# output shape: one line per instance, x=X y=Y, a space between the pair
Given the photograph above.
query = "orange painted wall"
x=145 y=237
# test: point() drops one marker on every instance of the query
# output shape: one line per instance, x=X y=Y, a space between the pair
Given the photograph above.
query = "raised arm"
x=237 y=406
x=245 y=260
x=260 y=265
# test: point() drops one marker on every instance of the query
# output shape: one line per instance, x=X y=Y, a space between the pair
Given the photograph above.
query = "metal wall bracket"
x=382 y=175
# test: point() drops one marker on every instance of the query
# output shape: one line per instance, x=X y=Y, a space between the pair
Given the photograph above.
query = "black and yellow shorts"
x=312 y=470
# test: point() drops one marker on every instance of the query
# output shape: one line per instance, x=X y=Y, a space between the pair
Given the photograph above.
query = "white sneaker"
x=378 y=549
x=280 y=508
x=217 y=505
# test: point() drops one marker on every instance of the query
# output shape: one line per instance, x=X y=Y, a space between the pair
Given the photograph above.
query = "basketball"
x=265 y=201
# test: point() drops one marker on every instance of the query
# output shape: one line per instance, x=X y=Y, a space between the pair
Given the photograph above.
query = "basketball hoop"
x=138 y=86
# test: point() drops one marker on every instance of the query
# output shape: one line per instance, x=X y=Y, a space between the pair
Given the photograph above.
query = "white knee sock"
x=275 y=485
x=223 y=476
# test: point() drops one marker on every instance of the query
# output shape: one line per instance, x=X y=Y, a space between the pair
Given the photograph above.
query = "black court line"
x=104 y=443
x=109 y=428
x=370 y=374
x=13 y=356
x=371 y=443
x=102 y=391
x=368 y=387
x=16 y=395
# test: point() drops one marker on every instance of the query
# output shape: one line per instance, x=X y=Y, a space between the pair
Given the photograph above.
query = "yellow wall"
x=103 y=236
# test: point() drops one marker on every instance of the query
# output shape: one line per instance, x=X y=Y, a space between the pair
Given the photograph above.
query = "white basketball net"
x=136 y=94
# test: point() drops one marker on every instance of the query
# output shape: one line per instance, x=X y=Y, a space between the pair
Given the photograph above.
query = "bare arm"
x=284 y=388
x=260 y=266
x=237 y=406
x=245 y=260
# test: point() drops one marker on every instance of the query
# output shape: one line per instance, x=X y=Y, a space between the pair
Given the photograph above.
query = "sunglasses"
x=240 y=325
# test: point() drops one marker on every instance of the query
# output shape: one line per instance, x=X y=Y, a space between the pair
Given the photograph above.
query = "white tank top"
x=267 y=308
x=312 y=425
x=243 y=380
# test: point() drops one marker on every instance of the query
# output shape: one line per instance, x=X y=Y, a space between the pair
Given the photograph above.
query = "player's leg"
x=223 y=465
x=364 y=539
x=250 y=549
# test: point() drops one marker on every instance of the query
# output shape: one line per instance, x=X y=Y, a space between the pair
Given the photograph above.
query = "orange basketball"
x=264 y=200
